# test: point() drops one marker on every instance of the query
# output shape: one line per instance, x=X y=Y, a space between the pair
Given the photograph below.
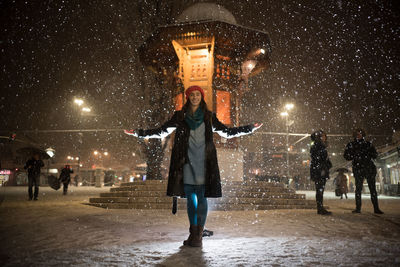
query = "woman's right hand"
x=131 y=132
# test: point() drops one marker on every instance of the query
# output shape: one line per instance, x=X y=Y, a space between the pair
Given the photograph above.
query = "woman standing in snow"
x=319 y=168
x=194 y=171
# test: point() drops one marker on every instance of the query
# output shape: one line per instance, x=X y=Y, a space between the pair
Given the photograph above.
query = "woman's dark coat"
x=361 y=152
x=179 y=155
x=320 y=163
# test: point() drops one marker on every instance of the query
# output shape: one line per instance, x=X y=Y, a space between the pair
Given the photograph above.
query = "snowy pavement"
x=61 y=231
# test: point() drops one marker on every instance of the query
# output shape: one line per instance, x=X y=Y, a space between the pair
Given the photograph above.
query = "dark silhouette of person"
x=361 y=153
x=33 y=166
x=65 y=177
x=319 y=168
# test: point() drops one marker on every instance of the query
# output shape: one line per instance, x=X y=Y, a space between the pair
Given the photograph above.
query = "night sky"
x=338 y=61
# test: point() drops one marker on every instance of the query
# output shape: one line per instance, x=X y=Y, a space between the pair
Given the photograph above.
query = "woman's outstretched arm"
x=232 y=132
x=166 y=129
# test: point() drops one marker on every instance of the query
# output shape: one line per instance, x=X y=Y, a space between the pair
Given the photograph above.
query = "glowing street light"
x=105 y=153
x=78 y=101
x=289 y=106
x=86 y=109
x=95 y=152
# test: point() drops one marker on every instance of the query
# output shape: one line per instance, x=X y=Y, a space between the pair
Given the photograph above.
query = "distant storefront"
x=5 y=176
x=389 y=169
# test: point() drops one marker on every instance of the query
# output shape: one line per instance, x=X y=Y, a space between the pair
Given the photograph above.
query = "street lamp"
x=51 y=152
x=288 y=107
x=78 y=101
x=86 y=109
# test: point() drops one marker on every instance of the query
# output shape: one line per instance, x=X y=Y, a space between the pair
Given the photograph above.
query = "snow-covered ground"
x=61 y=231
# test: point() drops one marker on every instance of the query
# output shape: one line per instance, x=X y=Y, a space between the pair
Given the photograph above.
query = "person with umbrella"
x=361 y=152
x=33 y=166
x=319 y=168
x=65 y=177
x=341 y=183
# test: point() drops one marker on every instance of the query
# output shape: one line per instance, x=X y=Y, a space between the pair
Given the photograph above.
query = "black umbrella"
x=29 y=151
x=341 y=170
x=54 y=182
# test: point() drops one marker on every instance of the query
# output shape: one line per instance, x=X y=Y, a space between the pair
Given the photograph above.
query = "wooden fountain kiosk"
x=206 y=47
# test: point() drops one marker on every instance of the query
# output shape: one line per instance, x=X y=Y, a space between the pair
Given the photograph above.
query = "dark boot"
x=376 y=206
x=192 y=231
x=358 y=204
x=197 y=240
x=323 y=211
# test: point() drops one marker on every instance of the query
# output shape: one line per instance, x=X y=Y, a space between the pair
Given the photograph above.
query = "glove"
x=131 y=132
x=256 y=126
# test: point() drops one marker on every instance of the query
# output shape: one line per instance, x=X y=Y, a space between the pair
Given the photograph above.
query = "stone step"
x=242 y=188
x=220 y=207
x=212 y=201
x=237 y=195
x=248 y=194
x=156 y=182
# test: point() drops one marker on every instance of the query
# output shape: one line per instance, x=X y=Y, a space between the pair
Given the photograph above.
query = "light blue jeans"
x=197 y=206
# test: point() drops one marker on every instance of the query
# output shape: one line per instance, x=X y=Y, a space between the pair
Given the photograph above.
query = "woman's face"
x=195 y=98
x=323 y=137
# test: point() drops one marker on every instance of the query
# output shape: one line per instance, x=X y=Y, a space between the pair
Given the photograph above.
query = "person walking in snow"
x=194 y=171
x=33 y=166
x=65 y=177
x=319 y=168
x=341 y=184
x=361 y=153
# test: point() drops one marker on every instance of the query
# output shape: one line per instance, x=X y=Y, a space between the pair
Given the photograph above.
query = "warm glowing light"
x=69 y=157
x=284 y=114
x=86 y=109
x=262 y=51
x=96 y=152
x=250 y=65
x=50 y=152
x=289 y=106
x=77 y=158
x=78 y=101
x=106 y=153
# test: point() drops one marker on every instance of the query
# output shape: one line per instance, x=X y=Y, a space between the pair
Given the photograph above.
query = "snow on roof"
x=206 y=11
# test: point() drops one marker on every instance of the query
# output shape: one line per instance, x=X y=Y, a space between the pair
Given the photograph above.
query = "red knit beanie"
x=193 y=88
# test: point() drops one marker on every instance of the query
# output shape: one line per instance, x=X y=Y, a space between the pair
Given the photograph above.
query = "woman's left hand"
x=257 y=126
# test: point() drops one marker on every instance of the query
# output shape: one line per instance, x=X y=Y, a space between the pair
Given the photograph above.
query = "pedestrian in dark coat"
x=33 y=166
x=319 y=168
x=65 y=177
x=194 y=171
x=361 y=153
x=341 y=184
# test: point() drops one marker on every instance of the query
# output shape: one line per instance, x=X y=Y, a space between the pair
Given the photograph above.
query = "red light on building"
x=5 y=172
x=224 y=107
x=179 y=102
